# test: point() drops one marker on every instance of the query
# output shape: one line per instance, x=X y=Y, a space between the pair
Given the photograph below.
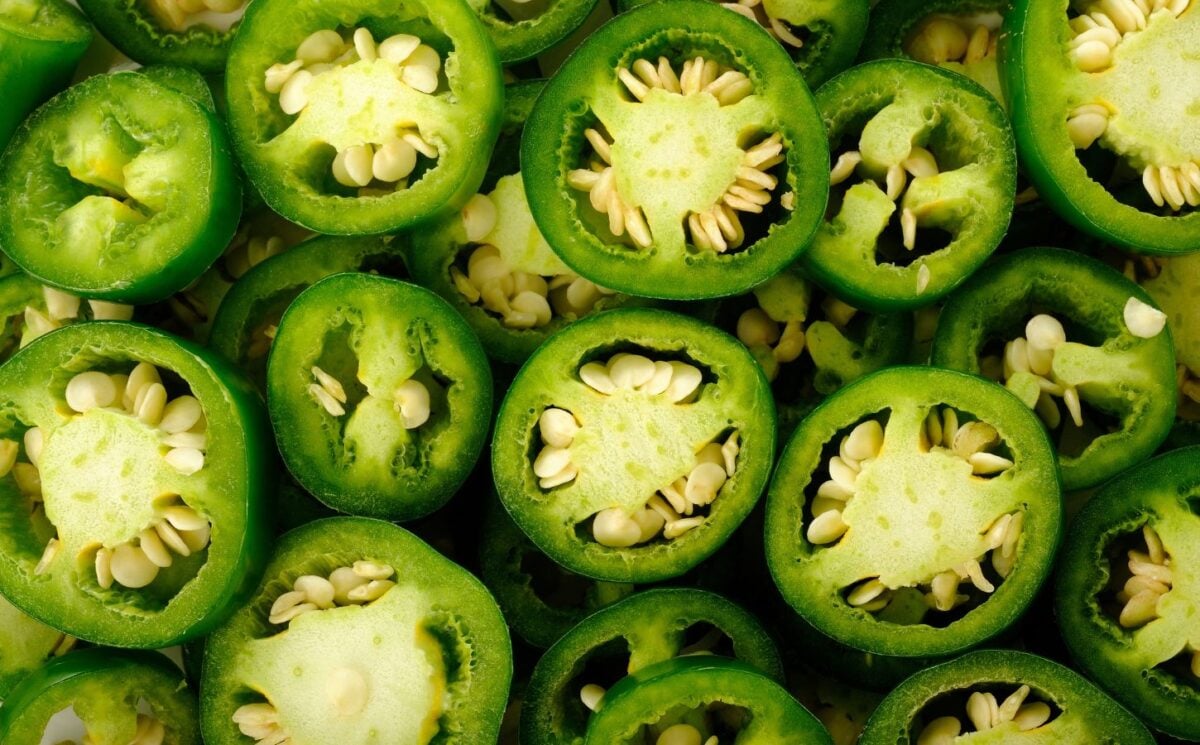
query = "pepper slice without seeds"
x=632 y=443
x=192 y=33
x=996 y=696
x=134 y=484
x=368 y=116
x=645 y=628
x=1053 y=324
x=1129 y=589
x=380 y=395
x=422 y=655
x=924 y=179
x=116 y=696
x=522 y=29
x=914 y=513
x=676 y=157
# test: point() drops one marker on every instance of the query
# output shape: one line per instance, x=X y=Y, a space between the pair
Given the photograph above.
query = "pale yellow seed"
x=317 y=590
x=48 y=555
x=181 y=414
x=826 y=528
x=591 y=695
x=679 y=734
x=677 y=528
x=412 y=402
x=1032 y=716
x=103 y=566
x=1140 y=610
x=398 y=48
x=8 y=455
x=941 y=731
x=613 y=528
x=131 y=567
x=320 y=46
x=186 y=461
x=60 y=305
x=982 y=710
x=685 y=382
x=90 y=390
x=154 y=548
x=558 y=427
x=293 y=96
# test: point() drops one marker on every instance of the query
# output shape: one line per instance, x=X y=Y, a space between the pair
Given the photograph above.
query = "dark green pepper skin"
x=1086 y=716
x=645 y=628
x=187 y=182
x=1161 y=493
x=645 y=695
x=105 y=688
x=462 y=616
x=297 y=183
x=234 y=492
x=40 y=44
x=1134 y=380
x=142 y=36
x=522 y=39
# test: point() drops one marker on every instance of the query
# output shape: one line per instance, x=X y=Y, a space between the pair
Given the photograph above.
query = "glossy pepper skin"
x=1128 y=378
x=142 y=35
x=120 y=188
x=1043 y=87
x=42 y=41
x=451 y=605
x=586 y=90
x=1138 y=666
x=288 y=158
x=645 y=628
x=904 y=539
x=521 y=34
x=1084 y=714
x=232 y=490
x=649 y=694
x=106 y=689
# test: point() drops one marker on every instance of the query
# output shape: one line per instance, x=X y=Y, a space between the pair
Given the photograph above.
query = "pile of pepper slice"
x=599 y=372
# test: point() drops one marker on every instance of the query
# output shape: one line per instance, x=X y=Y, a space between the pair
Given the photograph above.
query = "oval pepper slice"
x=522 y=29
x=1052 y=325
x=135 y=485
x=1129 y=590
x=914 y=513
x=380 y=396
x=1002 y=696
x=644 y=629
x=700 y=698
x=659 y=160
x=116 y=695
x=193 y=33
x=632 y=444
x=923 y=184
x=359 y=632
x=129 y=190
x=363 y=117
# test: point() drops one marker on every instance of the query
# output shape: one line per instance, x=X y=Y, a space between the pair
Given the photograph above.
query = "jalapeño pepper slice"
x=695 y=699
x=134 y=488
x=923 y=184
x=914 y=513
x=676 y=155
x=43 y=40
x=360 y=632
x=120 y=188
x=644 y=629
x=380 y=396
x=1103 y=103
x=25 y=645
x=633 y=443
x=1057 y=328
x=522 y=29
x=116 y=696
x=195 y=33
x=995 y=696
x=1129 y=591
x=363 y=116
x=821 y=36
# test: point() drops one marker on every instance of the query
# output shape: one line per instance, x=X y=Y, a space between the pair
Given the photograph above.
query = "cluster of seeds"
x=758 y=12
x=63 y=308
x=521 y=299
x=985 y=713
x=150 y=731
x=178 y=15
x=410 y=399
x=1027 y=369
x=372 y=167
x=964 y=40
x=177 y=530
x=718 y=228
x=776 y=339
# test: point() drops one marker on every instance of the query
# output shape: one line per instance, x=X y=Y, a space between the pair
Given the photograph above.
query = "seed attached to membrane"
x=760 y=13
x=177 y=530
x=920 y=163
x=1151 y=578
x=941 y=39
x=1027 y=370
x=362 y=583
x=985 y=713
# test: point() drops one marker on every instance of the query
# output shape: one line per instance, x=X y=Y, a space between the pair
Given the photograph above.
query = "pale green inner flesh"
x=676 y=154
x=1178 y=624
x=1154 y=88
x=915 y=514
x=629 y=445
x=24 y=642
x=516 y=235
x=1066 y=727
x=802 y=12
x=384 y=646
x=102 y=474
x=1176 y=290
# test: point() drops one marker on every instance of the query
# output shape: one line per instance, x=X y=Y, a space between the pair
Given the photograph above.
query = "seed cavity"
x=176 y=530
x=678 y=382
x=896 y=180
x=1150 y=578
x=760 y=13
x=260 y=722
x=360 y=584
x=180 y=15
x=966 y=40
x=63 y=309
x=1027 y=369
x=984 y=712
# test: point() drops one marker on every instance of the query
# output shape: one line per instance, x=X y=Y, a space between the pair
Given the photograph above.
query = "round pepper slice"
x=632 y=444
x=923 y=184
x=1102 y=96
x=25 y=645
x=134 y=489
x=1129 y=591
x=676 y=155
x=345 y=135
x=120 y=188
x=914 y=513
x=522 y=30
x=43 y=40
x=1058 y=327
x=1001 y=696
x=821 y=36
x=360 y=632
x=193 y=33
x=117 y=696
x=644 y=629
x=692 y=699
x=380 y=395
